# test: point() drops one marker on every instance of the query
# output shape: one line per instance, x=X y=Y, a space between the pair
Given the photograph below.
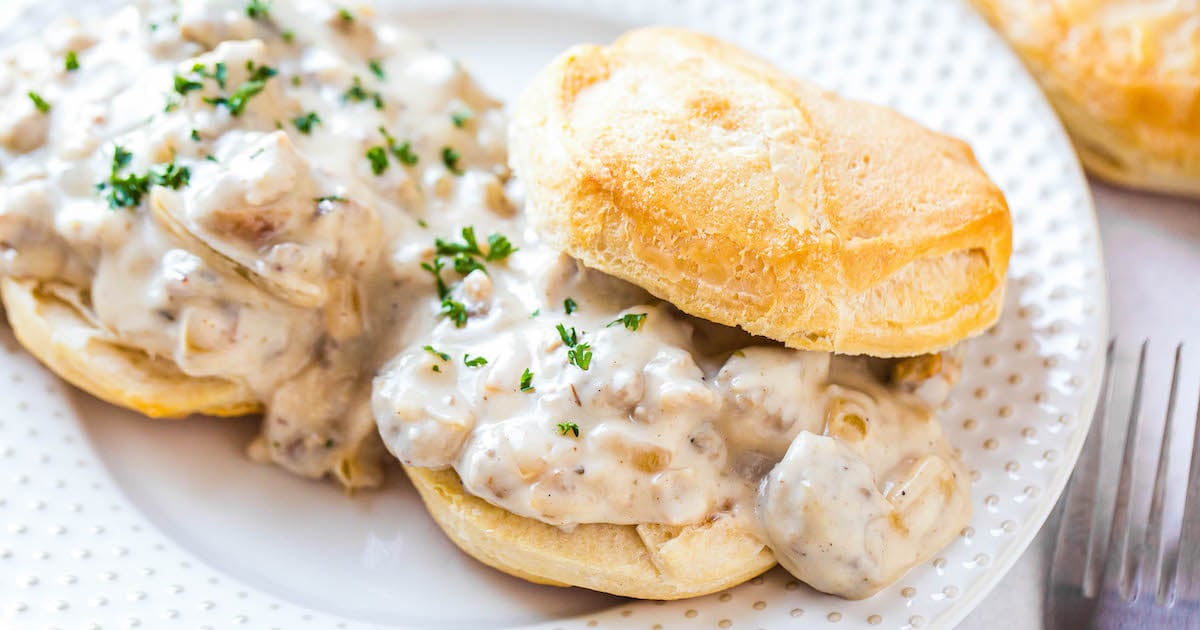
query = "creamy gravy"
x=325 y=152
x=272 y=264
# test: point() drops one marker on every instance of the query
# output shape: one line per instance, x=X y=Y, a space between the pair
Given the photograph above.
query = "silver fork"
x=1124 y=581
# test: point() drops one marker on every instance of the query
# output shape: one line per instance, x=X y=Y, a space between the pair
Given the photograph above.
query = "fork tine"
x=1118 y=565
x=1154 y=528
x=1074 y=562
x=1187 y=571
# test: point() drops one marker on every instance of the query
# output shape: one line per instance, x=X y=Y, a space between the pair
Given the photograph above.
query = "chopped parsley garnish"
x=499 y=247
x=465 y=264
x=211 y=158
x=465 y=256
x=183 y=85
x=331 y=199
x=221 y=73
x=526 y=381
x=40 y=103
x=403 y=152
x=236 y=102
x=257 y=9
x=535 y=313
x=460 y=118
x=435 y=268
x=195 y=135
x=329 y=443
x=422 y=223
x=306 y=122
x=578 y=354
x=569 y=339
x=568 y=427
x=456 y=311
x=376 y=67
x=127 y=191
x=346 y=15
x=570 y=306
x=435 y=352
x=450 y=158
x=357 y=93
x=379 y=159
x=288 y=36
x=631 y=320
x=170 y=175
x=71 y=63
x=476 y=362
x=468 y=246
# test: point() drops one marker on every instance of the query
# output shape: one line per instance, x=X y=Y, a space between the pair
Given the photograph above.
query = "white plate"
x=110 y=519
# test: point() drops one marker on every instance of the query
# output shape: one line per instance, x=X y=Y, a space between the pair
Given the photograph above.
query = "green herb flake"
x=329 y=443
x=288 y=36
x=170 y=175
x=403 y=152
x=257 y=9
x=306 y=122
x=195 y=135
x=527 y=381
x=436 y=368
x=330 y=199
x=499 y=247
x=437 y=353
x=220 y=74
x=570 y=306
x=476 y=362
x=569 y=339
x=468 y=246
x=126 y=191
x=631 y=321
x=422 y=223
x=450 y=158
x=379 y=159
x=461 y=118
x=183 y=85
x=568 y=427
x=535 y=313
x=40 y=103
x=358 y=94
x=346 y=16
x=465 y=264
x=456 y=311
x=237 y=101
x=435 y=268
x=580 y=356
x=376 y=67
x=71 y=63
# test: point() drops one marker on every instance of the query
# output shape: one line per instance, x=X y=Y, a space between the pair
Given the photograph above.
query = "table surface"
x=1152 y=256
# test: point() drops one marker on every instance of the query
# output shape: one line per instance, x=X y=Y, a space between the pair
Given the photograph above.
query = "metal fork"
x=1124 y=581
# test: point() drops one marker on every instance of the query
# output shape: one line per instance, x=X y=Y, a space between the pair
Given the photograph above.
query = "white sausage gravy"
x=309 y=200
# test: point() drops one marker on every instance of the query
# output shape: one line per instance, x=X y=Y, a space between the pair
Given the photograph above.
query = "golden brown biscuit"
x=69 y=344
x=750 y=198
x=742 y=196
x=1125 y=77
x=643 y=561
